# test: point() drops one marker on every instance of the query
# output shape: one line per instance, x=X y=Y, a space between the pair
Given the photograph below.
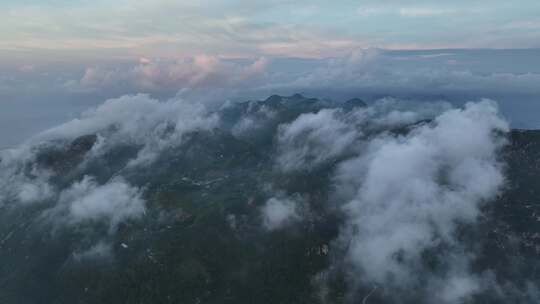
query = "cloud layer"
x=408 y=196
x=137 y=120
x=87 y=201
x=49 y=94
x=404 y=176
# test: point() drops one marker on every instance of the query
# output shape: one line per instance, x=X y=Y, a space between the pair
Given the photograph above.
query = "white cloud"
x=253 y=120
x=315 y=138
x=366 y=11
x=407 y=194
x=390 y=112
x=36 y=190
x=424 y=12
x=405 y=11
x=17 y=186
x=312 y=139
x=88 y=202
x=100 y=250
x=279 y=212
x=378 y=71
x=138 y=120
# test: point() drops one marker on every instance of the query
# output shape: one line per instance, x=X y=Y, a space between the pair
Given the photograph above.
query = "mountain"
x=353 y=103
x=258 y=208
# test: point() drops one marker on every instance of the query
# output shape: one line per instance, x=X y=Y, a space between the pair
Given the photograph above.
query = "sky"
x=167 y=28
x=75 y=67
x=59 y=57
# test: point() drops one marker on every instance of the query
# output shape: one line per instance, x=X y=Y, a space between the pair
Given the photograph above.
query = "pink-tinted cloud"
x=195 y=72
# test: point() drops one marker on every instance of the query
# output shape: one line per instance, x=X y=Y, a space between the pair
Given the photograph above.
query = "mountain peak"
x=274 y=98
x=354 y=103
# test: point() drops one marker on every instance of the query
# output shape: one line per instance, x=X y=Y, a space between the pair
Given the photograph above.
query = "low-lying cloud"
x=253 y=120
x=405 y=176
x=99 y=251
x=330 y=134
x=409 y=193
x=88 y=202
x=50 y=96
x=21 y=180
x=280 y=212
x=138 y=120
x=312 y=139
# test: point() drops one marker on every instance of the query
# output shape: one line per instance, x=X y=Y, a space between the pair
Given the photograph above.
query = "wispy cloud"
x=425 y=12
x=523 y=25
x=366 y=11
x=166 y=28
x=407 y=11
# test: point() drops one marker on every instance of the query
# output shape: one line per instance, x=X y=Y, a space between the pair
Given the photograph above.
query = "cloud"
x=36 y=190
x=22 y=181
x=404 y=11
x=138 y=120
x=230 y=30
x=370 y=73
x=279 y=212
x=533 y=24
x=330 y=134
x=407 y=194
x=163 y=28
x=389 y=112
x=404 y=192
x=100 y=250
x=253 y=120
x=382 y=72
x=201 y=71
x=88 y=202
x=312 y=139
x=366 y=71
x=366 y=11
x=424 y=12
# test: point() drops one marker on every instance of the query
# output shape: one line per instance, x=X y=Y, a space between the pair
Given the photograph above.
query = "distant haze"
x=36 y=97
